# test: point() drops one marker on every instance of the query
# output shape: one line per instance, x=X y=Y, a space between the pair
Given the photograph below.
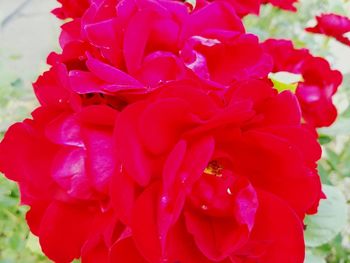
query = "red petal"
x=278 y=231
x=68 y=170
x=100 y=157
x=111 y=74
x=123 y=193
x=144 y=224
x=125 y=251
x=95 y=251
x=217 y=238
x=135 y=39
x=138 y=163
x=288 y=113
x=216 y=15
x=63 y=231
x=164 y=121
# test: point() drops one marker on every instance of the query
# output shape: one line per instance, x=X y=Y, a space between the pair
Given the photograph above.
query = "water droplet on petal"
x=164 y=200
x=204 y=207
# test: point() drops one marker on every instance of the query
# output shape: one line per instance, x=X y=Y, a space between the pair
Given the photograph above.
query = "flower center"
x=214 y=168
x=213 y=193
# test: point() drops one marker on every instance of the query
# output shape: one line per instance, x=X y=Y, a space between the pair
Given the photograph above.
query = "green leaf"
x=311 y=257
x=33 y=244
x=330 y=219
x=193 y=3
x=324 y=170
x=285 y=81
x=332 y=158
x=324 y=139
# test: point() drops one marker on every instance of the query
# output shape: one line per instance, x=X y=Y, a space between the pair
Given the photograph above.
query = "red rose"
x=332 y=25
x=105 y=43
x=319 y=82
x=63 y=176
x=159 y=138
x=63 y=162
x=204 y=179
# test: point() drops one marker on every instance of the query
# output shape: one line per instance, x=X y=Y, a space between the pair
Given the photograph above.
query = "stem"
x=14 y=13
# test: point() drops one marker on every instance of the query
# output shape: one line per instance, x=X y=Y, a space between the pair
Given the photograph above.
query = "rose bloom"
x=103 y=52
x=332 y=25
x=63 y=161
x=205 y=178
x=182 y=176
x=159 y=138
x=318 y=85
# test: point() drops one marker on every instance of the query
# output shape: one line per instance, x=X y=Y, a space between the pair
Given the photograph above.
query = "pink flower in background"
x=71 y=8
x=242 y=7
x=319 y=82
x=334 y=26
x=283 y=4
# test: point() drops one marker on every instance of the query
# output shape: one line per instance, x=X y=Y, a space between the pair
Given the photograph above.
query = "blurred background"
x=28 y=32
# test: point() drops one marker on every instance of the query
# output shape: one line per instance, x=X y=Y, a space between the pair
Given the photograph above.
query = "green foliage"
x=16 y=244
x=276 y=23
x=312 y=257
x=330 y=219
x=285 y=81
x=16 y=99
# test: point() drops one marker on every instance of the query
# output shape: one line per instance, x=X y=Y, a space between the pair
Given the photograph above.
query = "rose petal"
x=63 y=231
x=125 y=251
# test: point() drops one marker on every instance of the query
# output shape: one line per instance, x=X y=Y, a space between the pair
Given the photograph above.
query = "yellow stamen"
x=214 y=168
